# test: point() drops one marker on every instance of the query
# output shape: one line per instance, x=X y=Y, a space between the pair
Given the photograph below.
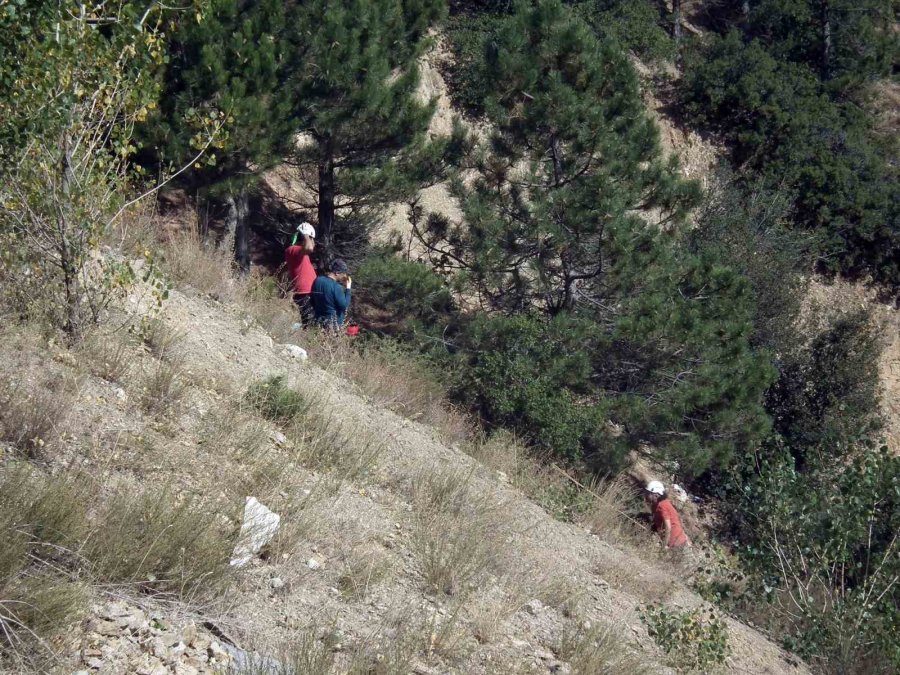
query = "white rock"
x=276 y=583
x=313 y=564
x=294 y=351
x=259 y=526
x=278 y=438
x=680 y=494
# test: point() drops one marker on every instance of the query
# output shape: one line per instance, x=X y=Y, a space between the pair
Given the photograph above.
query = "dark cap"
x=339 y=267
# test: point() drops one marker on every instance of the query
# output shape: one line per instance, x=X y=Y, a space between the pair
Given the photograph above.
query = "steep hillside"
x=395 y=549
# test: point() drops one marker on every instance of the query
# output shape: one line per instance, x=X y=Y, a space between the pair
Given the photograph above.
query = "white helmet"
x=306 y=229
x=654 y=487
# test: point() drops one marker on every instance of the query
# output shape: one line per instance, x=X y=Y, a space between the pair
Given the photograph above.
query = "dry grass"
x=306 y=654
x=162 y=388
x=394 y=378
x=33 y=413
x=460 y=531
x=599 y=650
x=365 y=569
x=107 y=356
x=190 y=261
x=162 y=544
x=161 y=339
x=606 y=516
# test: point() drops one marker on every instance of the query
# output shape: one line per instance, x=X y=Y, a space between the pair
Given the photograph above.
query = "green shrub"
x=412 y=295
x=823 y=544
x=747 y=228
x=640 y=27
x=533 y=376
x=695 y=640
x=827 y=394
x=276 y=401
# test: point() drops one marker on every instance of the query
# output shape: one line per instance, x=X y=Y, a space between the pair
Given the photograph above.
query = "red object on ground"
x=353 y=329
x=300 y=269
x=663 y=511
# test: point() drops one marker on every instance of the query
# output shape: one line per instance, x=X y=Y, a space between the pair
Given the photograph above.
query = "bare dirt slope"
x=543 y=579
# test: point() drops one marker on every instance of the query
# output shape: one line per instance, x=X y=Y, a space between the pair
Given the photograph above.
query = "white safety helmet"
x=654 y=487
x=306 y=229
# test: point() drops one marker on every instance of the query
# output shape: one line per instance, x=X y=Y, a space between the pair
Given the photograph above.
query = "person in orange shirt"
x=665 y=518
x=301 y=270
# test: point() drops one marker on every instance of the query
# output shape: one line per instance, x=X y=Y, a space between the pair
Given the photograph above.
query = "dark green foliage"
x=533 y=375
x=804 y=131
x=639 y=26
x=276 y=401
x=467 y=35
x=414 y=296
x=747 y=230
x=556 y=219
x=229 y=62
x=828 y=394
x=353 y=76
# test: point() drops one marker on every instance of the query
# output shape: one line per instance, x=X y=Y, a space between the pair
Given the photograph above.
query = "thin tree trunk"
x=745 y=8
x=66 y=254
x=325 y=232
x=238 y=227
x=826 y=40
x=676 y=25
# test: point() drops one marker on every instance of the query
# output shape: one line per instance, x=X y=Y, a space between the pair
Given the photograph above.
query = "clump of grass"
x=161 y=339
x=605 y=516
x=32 y=413
x=232 y=428
x=365 y=570
x=397 y=379
x=162 y=388
x=41 y=522
x=306 y=654
x=598 y=649
x=459 y=531
x=106 y=356
x=277 y=402
x=161 y=544
x=191 y=261
x=324 y=441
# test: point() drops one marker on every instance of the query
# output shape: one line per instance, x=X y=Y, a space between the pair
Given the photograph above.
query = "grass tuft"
x=277 y=402
x=599 y=650
x=33 y=413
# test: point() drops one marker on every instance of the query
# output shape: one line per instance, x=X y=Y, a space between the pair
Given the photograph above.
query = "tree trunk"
x=826 y=40
x=238 y=228
x=66 y=254
x=676 y=24
x=325 y=231
x=745 y=8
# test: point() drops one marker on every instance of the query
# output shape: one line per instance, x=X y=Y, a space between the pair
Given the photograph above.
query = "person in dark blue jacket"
x=331 y=295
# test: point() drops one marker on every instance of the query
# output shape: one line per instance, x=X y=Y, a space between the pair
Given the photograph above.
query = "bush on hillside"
x=746 y=228
x=414 y=297
x=827 y=394
x=533 y=376
x=823 y=544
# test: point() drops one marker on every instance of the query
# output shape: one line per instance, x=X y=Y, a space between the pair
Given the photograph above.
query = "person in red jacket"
x=301 y=270
x=665 y=518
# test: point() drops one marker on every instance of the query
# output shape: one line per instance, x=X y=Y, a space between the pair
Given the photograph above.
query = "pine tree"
x=353 y=79
x=226 y=66
x=569 y=208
